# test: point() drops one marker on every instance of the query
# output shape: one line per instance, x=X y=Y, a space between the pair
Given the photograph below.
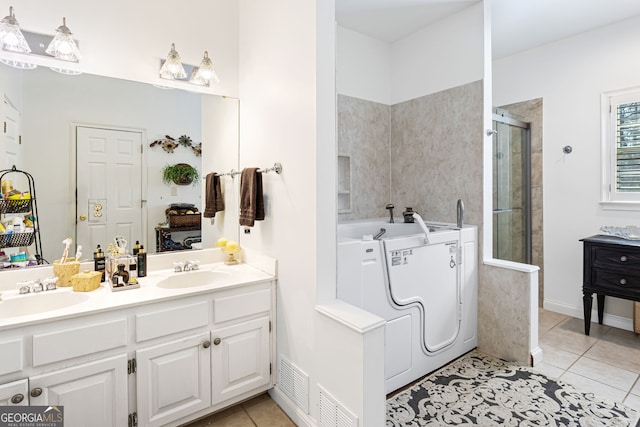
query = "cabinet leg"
x=600 y=308
x=587 y=302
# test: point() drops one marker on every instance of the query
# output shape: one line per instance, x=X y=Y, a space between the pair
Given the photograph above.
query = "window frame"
x=612 y=199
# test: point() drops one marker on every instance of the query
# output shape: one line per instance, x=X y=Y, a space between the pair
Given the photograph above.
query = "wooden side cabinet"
x=611 y=266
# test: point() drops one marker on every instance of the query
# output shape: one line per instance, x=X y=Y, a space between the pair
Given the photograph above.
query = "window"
x=621 y=149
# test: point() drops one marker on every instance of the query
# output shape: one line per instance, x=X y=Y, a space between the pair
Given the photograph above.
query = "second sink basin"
x=191 y=279
x=39 y=303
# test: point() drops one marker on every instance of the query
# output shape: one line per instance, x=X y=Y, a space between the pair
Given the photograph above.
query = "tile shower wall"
x=424 y=153
x=436 y=154
x=363 y=135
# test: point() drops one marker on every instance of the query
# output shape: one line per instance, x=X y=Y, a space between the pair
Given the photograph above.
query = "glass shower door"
x=511 y=190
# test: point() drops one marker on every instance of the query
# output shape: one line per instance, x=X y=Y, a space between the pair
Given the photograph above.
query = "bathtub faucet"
x=390 y=207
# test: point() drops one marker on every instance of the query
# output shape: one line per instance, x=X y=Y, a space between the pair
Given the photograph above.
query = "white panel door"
x=240 y=358
x=174 y=380
x=11 y=149
x=108 y=185
x=15 y=393
x=92 y=394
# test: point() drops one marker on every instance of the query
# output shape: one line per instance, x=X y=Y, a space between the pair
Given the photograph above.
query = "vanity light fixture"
x=63 y=46
x=172 y=66
x=204 y=74
x=11 y=37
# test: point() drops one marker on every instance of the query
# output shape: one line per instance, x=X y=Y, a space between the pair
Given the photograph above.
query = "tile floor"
x=260 y=411
x=607 y=362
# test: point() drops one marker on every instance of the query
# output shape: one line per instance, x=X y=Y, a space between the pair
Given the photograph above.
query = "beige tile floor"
x=607 y=362
x=260 y=411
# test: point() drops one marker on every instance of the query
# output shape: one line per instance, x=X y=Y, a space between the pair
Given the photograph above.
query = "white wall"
x=363 y=67
x=439 y=57
x=127 y=39
x=570 y=76
x=287 y=111
x=447 y=54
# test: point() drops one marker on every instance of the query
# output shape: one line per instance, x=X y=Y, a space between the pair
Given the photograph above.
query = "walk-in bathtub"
x=426 y=291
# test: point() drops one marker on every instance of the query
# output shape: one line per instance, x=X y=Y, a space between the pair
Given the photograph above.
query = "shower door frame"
x=526 y=192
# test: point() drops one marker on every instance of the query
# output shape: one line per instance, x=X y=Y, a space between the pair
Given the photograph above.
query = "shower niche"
x=344 y=184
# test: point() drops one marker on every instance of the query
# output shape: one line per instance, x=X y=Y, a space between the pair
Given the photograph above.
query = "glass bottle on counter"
x=120 y=277
x=99 y=262
x=142 y=262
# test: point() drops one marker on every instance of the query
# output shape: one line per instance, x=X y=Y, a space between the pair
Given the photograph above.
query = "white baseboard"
x=608 y=319
x=291 y=409
x=536 y=356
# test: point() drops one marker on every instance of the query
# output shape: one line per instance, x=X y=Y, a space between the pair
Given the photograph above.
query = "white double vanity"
x=181 y=346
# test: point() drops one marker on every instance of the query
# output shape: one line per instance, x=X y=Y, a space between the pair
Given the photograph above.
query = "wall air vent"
x=294 y=383
x=333 y=414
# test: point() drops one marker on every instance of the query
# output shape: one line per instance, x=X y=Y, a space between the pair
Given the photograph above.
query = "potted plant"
x=180 y=174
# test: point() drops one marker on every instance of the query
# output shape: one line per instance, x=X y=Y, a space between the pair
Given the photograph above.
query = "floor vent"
x=294 y=383
x=332 y=414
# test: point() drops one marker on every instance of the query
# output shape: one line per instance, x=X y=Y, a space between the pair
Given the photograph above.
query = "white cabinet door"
x=15 y=393
x=240 y=358
x=92 y=394
x=174 y=380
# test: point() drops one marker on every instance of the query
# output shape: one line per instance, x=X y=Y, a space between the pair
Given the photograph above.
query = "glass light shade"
x=63 y=46
x=18 y=64
x=11 y=37
x=66 y=71
x=204 y=74
x=172 y=67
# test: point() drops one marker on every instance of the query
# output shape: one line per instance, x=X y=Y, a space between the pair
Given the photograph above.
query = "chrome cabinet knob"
x=206 y=344
x=17 y=398
x=36 y=392
x=623 y=281
x=217 y=341
x=623 y=258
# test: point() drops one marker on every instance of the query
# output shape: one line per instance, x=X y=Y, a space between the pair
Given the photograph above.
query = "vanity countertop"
x=159 y=285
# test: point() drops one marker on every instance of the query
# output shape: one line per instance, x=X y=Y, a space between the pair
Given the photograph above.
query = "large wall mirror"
x=62 y=126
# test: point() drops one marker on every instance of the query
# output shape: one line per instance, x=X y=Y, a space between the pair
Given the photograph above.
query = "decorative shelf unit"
x=162 y=233
x=21 y=206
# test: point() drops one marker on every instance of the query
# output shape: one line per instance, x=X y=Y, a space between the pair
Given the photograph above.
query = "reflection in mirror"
x=86 y=141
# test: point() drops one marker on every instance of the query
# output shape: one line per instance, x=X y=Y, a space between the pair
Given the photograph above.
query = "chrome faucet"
x=191 y=266
x=390 y=207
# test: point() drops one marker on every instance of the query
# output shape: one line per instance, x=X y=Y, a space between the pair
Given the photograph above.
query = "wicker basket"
x=186 y=220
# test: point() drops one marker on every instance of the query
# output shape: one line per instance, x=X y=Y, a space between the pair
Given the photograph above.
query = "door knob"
x=17 y=398
x=217 y=341
x=206 y=344
x=36 y=392
x=83 y=217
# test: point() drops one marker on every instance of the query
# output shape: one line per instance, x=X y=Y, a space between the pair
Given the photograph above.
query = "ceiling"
x=516 y=24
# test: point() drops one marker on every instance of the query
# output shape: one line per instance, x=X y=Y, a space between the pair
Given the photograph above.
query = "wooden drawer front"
x=93 y=338
x=619 y=257
x=169 y=321
x=11 y=356
x=237 y=306
x=613 y=281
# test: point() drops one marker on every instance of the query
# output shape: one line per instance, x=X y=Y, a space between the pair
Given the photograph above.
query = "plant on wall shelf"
x=180 y=174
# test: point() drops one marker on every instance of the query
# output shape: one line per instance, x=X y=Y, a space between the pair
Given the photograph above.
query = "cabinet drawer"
x=616 y=282
x=236 y=306
x=11 y=356
x=65 y=344
x=171 y=320
x=619 y=258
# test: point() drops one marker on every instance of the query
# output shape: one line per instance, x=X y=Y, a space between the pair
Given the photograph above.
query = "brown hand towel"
x=251 y=198
x=213 y=196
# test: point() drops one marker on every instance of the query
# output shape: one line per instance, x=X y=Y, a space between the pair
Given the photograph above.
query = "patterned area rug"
x=478 y=390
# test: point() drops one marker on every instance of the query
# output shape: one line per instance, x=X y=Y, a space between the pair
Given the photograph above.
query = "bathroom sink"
x=192 y=279
x=39 y=303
